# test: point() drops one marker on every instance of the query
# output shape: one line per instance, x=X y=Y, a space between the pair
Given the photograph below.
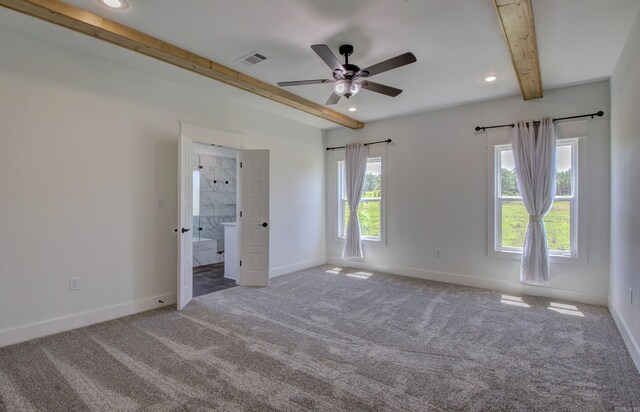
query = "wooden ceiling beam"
x=83 y=21
x=516 y=21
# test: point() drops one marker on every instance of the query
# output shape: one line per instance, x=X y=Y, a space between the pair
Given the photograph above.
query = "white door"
x=254 y=220
x=185 y=219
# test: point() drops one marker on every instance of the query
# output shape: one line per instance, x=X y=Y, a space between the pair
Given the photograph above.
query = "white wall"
x=437 y=195
x=86 y=148
x=625 y=193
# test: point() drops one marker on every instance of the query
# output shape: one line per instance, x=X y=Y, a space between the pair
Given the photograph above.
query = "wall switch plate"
x=438 y=253
x=160 y=203
x=74 y=283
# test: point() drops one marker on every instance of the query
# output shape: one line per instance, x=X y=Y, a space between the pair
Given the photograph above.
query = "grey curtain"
x=534 y=151
x=355 y=173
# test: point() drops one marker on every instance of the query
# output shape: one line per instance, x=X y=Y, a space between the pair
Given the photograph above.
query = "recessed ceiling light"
x=490 y=78
x=115 y=4
x=352 y=109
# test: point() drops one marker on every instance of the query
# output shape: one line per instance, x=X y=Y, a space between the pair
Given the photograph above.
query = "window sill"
x=562 y=259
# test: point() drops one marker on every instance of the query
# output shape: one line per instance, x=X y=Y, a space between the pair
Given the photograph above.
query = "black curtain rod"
x=366 y=144
x=591 y=115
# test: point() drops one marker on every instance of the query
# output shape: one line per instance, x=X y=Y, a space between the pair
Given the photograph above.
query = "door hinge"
x=241 y=213
x=240 y=165
x=241 y=263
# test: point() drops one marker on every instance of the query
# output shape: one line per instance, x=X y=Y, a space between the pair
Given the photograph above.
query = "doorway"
x=245 y=250
x=214 y=218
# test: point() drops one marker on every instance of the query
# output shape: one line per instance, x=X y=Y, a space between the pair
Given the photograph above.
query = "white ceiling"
x=456 y=43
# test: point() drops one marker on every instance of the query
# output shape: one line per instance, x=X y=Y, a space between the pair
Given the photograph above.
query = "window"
x=511 y=217
x=370 y=209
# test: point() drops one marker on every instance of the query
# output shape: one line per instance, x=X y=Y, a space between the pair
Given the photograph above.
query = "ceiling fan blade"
x=392 y=63
x=327 y=56
x=333 y=99
x=381 y=88
x=302 y=82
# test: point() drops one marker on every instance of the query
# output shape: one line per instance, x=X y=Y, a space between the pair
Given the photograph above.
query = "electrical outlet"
x=74 y=284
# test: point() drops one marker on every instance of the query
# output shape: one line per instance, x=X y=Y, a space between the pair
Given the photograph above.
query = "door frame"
x=206 y=135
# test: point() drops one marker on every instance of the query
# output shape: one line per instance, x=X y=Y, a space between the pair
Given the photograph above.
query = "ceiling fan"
x=349 y=79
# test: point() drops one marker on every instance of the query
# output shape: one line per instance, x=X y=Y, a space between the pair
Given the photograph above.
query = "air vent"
x=252 y=58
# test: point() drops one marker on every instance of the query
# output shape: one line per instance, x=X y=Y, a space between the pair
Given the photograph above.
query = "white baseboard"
x=632 y=345
x=78 y=320
x=305 y=264
x=465 y=280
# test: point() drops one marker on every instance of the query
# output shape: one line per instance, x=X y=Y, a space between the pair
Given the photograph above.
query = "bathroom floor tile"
x=209 y=279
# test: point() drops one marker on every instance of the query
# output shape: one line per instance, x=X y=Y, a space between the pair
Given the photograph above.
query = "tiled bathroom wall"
x=205 y=252
x=217 y=205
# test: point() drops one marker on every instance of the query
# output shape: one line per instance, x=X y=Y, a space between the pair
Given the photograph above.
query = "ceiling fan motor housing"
x=349 y=71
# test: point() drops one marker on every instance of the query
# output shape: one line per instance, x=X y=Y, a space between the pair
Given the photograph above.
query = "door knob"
x=185 y=230
x=265 y=224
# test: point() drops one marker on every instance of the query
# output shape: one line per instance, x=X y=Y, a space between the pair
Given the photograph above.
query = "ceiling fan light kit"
x=349 y=79
x=347 y=88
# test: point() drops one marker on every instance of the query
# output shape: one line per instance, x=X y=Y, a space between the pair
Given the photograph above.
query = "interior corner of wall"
x=632 y=345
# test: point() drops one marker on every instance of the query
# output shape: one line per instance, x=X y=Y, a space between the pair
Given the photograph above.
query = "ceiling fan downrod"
x=346 y=50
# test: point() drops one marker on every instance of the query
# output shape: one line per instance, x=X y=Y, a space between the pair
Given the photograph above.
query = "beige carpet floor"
x=333 y=340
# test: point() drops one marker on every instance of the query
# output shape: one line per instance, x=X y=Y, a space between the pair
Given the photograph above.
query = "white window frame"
x=577 y=253
x=341 y=201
